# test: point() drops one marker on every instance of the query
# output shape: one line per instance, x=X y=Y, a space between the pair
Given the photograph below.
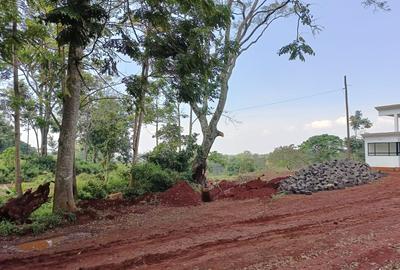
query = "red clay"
x=354 y=228
x=181 y=194
x=248 y=190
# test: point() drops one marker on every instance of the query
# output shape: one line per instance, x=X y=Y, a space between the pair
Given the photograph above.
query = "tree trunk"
x=137 y=137
x=63 y=191
x=37 y=140
x=190 y=123
x=178 y=110
x=17 y=116
x=134 y=133
x=27 y=136
x=157 y=121
x=140 y=109
x=44 y=131
x=209 y=130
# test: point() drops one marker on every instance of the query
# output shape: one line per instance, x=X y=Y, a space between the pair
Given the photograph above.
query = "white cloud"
x=319 y=124
x=341 y=121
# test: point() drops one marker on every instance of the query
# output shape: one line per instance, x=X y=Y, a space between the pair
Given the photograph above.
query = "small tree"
x=108 y=130
x=358 y=123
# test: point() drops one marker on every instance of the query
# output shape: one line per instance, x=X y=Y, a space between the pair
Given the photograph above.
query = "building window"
x=384 y=149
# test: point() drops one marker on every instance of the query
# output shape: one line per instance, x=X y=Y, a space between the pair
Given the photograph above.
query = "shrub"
x=8 y=228
x=35 y=166
x=168 y=158
x=42 y=223
x=149 y=177
x=118 y=179
x=83 y=166
x=93 y=190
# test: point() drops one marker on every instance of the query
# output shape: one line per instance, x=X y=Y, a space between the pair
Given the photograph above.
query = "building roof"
x=388 y=110
x=381 y=134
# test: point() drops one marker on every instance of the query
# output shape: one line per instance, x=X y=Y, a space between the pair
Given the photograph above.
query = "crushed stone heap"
x=336 y=174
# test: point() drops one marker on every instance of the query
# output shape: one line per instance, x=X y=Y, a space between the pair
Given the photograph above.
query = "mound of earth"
x=240 y=191
x=181 y=194
x=336 y=174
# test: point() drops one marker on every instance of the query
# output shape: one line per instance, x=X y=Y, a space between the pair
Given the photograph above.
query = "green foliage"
x=82 y=22
x=242 y=163
x=149 y=177
x=168 y=157
x=37 y=165
x=357 y=122
x=43 y=223
x=297 y=49
x=246 y=162
x=118 y=179
x=44 y=219
x=322 y=147
x=41 y=220
x=8 y=228
x=7 y=165
x=82 y=166
x=90 y=186
x=6 y=134
x=357 y=148
x=287 y=157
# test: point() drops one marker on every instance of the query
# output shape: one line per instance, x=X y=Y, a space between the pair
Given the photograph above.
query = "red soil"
x=181 y=194
x=240 y=191
x=353 y=228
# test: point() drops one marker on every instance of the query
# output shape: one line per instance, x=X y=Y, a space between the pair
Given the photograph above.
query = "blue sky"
x=358 y=42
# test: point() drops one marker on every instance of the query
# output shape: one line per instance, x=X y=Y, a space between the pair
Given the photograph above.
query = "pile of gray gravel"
x=336 y=174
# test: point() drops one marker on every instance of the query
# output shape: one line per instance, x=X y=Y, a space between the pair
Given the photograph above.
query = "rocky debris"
x=19 y=209
x=336 y=174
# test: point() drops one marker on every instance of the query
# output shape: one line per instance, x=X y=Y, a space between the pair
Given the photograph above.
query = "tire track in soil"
x=51 y=259
x=153 y=258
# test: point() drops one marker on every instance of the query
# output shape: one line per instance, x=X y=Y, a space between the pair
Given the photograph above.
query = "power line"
x=285 y=101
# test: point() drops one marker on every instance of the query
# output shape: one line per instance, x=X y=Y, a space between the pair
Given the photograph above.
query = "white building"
x=383 y=149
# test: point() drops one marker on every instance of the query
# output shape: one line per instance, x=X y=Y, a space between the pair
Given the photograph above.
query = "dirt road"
x=355 y=228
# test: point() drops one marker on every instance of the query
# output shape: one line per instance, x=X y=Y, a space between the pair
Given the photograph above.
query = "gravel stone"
x=329 y=175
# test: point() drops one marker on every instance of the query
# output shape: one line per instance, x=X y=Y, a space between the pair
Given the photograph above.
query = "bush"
x=8 y=228
x=149 y=177
x=34 y=166
x=7 y=165
x=167 y=158
x=42 y=223
x=93 y=190
x=42 y=220
x=118 y=179
x=83 y=166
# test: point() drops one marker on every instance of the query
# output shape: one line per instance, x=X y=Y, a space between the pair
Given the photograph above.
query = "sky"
x=355 y=41
x=358 y=42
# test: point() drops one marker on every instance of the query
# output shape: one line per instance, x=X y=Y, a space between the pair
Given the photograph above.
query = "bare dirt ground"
x=355 y=228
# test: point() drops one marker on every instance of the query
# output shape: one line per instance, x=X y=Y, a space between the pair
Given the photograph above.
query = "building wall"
x=381 y=161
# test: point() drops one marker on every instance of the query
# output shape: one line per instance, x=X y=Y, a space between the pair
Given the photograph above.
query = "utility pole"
x=347 y=118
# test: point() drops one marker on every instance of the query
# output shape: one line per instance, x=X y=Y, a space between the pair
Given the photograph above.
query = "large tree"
x=205 y=65
x=82 y=22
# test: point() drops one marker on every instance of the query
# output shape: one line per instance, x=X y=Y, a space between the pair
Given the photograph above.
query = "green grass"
x=42 y=220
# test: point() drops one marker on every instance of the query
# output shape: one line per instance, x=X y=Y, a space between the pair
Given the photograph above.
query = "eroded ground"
x=355 y=228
